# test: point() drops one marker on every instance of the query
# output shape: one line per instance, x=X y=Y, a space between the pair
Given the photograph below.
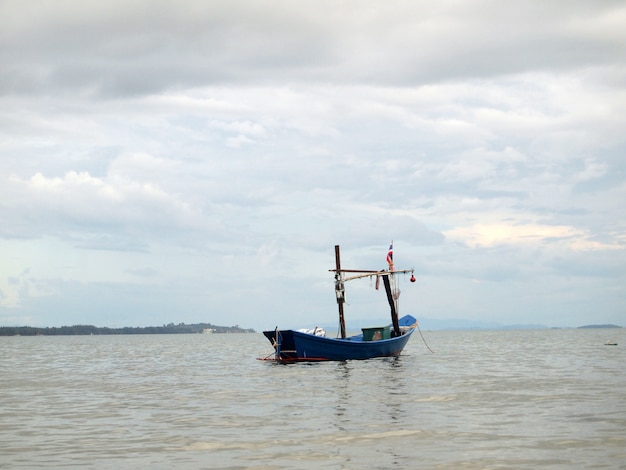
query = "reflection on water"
x=547 y=398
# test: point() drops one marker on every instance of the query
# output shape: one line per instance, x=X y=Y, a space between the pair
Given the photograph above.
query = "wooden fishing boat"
x=389 y=340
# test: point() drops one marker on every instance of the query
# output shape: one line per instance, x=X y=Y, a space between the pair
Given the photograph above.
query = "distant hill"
x=181 y=328
x=437 y=324
x=462 y=324
x=600 y=326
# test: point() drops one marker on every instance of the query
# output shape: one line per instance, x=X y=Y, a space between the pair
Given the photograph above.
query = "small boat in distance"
x=389 y=340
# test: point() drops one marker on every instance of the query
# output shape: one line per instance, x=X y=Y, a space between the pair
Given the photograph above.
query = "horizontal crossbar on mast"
x=366 y=273
x=371 y=271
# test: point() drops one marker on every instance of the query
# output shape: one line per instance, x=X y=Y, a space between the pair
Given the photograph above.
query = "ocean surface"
x=483 y=400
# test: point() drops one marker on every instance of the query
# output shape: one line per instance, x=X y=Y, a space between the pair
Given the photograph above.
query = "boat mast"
x=392 y=303
x=390 y=289
x=340 y=292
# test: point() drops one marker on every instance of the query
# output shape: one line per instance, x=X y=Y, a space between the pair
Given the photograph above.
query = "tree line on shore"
x=171 y=328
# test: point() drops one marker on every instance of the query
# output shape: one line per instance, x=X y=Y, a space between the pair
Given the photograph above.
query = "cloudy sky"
x=197 y=161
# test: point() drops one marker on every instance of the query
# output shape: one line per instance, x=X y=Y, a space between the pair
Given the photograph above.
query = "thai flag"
x=390 y=256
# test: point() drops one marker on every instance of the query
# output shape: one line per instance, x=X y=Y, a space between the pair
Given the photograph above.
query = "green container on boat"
x=376 y=333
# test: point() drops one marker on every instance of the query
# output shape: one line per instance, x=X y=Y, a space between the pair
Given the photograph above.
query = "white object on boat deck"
x=314 y=331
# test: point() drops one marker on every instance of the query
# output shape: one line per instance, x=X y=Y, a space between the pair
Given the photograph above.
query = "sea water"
x=483 y=399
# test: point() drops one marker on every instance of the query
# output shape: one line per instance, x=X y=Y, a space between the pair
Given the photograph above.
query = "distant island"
x=600 y=326
x=170 y=329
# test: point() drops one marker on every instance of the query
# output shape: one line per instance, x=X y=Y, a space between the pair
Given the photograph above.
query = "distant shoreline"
x=200 y=328
x=181 y=328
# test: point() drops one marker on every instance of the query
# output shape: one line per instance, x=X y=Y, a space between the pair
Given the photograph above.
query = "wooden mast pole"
x=392 y=304
x=340 y=292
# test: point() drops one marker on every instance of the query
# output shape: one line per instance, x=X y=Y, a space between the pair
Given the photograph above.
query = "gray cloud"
x=131 y=48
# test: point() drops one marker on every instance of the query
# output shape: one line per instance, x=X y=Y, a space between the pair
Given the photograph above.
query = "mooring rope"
x=268 y=356
x=418 y=329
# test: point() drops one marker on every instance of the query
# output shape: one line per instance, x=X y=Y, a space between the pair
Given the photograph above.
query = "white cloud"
x=78 y=202
x=485 y=235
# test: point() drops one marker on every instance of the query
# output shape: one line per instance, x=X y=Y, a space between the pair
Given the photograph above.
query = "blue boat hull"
x=291 y=345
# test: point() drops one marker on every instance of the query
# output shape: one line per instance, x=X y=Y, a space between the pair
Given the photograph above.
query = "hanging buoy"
x=412 y=278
